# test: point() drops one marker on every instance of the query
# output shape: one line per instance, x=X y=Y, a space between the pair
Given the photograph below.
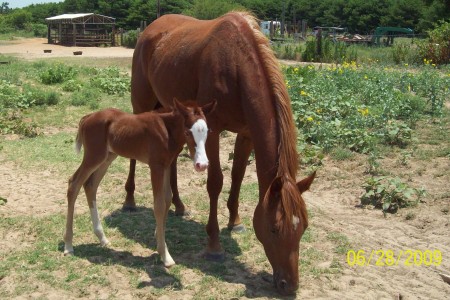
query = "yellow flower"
x=365 y=77
x=363 y=111
x=295 y=70
x=318 y=110
x=406 y=65
x=309 y=119
x=303 y=93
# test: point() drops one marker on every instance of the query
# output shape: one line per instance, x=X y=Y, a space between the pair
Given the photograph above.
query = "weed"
x=57 y=74
x=389 y=194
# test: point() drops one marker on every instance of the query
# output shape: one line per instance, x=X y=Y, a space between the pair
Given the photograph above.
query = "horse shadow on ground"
x=186 y=240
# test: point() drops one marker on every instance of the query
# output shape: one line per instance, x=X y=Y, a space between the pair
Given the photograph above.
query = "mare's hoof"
x=129 y=208
x=68 y=253
x=216 y=257
x=237 y=228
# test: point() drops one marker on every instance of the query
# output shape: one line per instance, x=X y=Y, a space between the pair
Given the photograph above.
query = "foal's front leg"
x=162 y=199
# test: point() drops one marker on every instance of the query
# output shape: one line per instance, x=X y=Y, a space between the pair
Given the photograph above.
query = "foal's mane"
x=288 y=159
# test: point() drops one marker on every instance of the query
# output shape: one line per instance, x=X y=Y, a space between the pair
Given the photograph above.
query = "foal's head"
x=196 y=130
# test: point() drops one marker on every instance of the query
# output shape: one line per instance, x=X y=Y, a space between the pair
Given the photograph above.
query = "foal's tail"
x=78 y=140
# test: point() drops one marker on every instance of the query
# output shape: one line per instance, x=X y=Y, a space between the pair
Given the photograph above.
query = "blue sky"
x=23 y=3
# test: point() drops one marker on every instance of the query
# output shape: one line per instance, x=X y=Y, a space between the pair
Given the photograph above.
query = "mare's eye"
x=275 y=229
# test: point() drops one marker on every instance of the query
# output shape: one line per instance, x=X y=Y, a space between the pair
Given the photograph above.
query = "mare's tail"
x=79 y=138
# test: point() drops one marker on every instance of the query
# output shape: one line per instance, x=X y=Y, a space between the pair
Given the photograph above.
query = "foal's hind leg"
x=90 y=188
x=75 y=183
x=242 y=150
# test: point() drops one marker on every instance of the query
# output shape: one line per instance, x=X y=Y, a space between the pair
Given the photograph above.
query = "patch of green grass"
x=341 y=242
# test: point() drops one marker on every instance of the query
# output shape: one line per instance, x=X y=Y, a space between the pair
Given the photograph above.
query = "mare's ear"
x=210 y=107
x=304 y=184
x=274 y=191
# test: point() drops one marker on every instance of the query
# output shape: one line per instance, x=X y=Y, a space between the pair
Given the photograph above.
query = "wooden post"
x=49 y=39
x=319 y=42
x=74 y=32
x=113 y=35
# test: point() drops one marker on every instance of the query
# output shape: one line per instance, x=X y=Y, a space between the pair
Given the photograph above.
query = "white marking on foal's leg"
x=200 y=132
x=97 y=225
x=295 y=221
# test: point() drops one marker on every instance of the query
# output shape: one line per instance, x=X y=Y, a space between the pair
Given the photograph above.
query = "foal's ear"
x=210 y=107
x=304 y=184
x=178 y=106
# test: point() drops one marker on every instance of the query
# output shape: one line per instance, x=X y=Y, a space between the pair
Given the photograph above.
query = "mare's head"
x=280 y=220
x=196 y=130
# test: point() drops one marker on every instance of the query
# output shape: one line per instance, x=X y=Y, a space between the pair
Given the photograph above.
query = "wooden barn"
x=87 y=29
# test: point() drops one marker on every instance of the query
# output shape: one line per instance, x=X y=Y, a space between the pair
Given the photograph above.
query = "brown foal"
x=154 y=138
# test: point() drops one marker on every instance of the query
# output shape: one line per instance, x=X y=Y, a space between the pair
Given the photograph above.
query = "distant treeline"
x=358 y=16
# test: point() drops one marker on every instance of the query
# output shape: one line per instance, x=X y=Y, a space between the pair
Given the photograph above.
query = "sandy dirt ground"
x=335 y=194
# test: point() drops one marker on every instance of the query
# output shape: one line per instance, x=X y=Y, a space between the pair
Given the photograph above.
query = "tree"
x=210 y=9
x=4 y=8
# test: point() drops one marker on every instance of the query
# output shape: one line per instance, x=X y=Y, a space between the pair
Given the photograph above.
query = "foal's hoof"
x=183 y=213
x=237 y=228
x=215 y=257
x=127 y=208
x=68 y=253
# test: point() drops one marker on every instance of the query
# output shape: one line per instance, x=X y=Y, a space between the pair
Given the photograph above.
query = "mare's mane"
x=291 y=202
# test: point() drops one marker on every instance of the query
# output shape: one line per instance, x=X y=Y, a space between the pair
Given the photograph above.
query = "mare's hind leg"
x=242 y=150
x=90 y=188
x=162 y=199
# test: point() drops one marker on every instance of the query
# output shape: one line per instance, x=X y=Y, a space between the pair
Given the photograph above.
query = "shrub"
x=130 y=38
x=437 y=49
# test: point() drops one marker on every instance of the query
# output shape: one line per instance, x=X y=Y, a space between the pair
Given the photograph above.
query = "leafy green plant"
x=111 y=81
x=389 y=194
x=71 y=85
x=130 y=38
x=57 y=74
x=88 y=97
x=12 y=122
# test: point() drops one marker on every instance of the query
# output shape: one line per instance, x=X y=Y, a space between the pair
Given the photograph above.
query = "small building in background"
x=84 y=29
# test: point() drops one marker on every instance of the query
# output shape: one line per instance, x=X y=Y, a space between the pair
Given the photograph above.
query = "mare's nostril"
x=197 y=165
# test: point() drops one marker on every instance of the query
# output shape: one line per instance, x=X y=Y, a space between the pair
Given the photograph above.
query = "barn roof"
x=82 y=18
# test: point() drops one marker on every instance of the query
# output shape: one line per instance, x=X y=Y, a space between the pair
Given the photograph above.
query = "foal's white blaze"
x=97 y=225
x=295 y=221
x=200 y=132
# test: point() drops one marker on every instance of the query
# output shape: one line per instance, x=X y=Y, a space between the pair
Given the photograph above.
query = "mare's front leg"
x=162 y=198
x=130 y=204
x=180 y=209
x=214 y=250
x=242 y=149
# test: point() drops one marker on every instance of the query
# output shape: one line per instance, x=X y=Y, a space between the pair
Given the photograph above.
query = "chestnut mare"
x=230 y=60
x=154 y=138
